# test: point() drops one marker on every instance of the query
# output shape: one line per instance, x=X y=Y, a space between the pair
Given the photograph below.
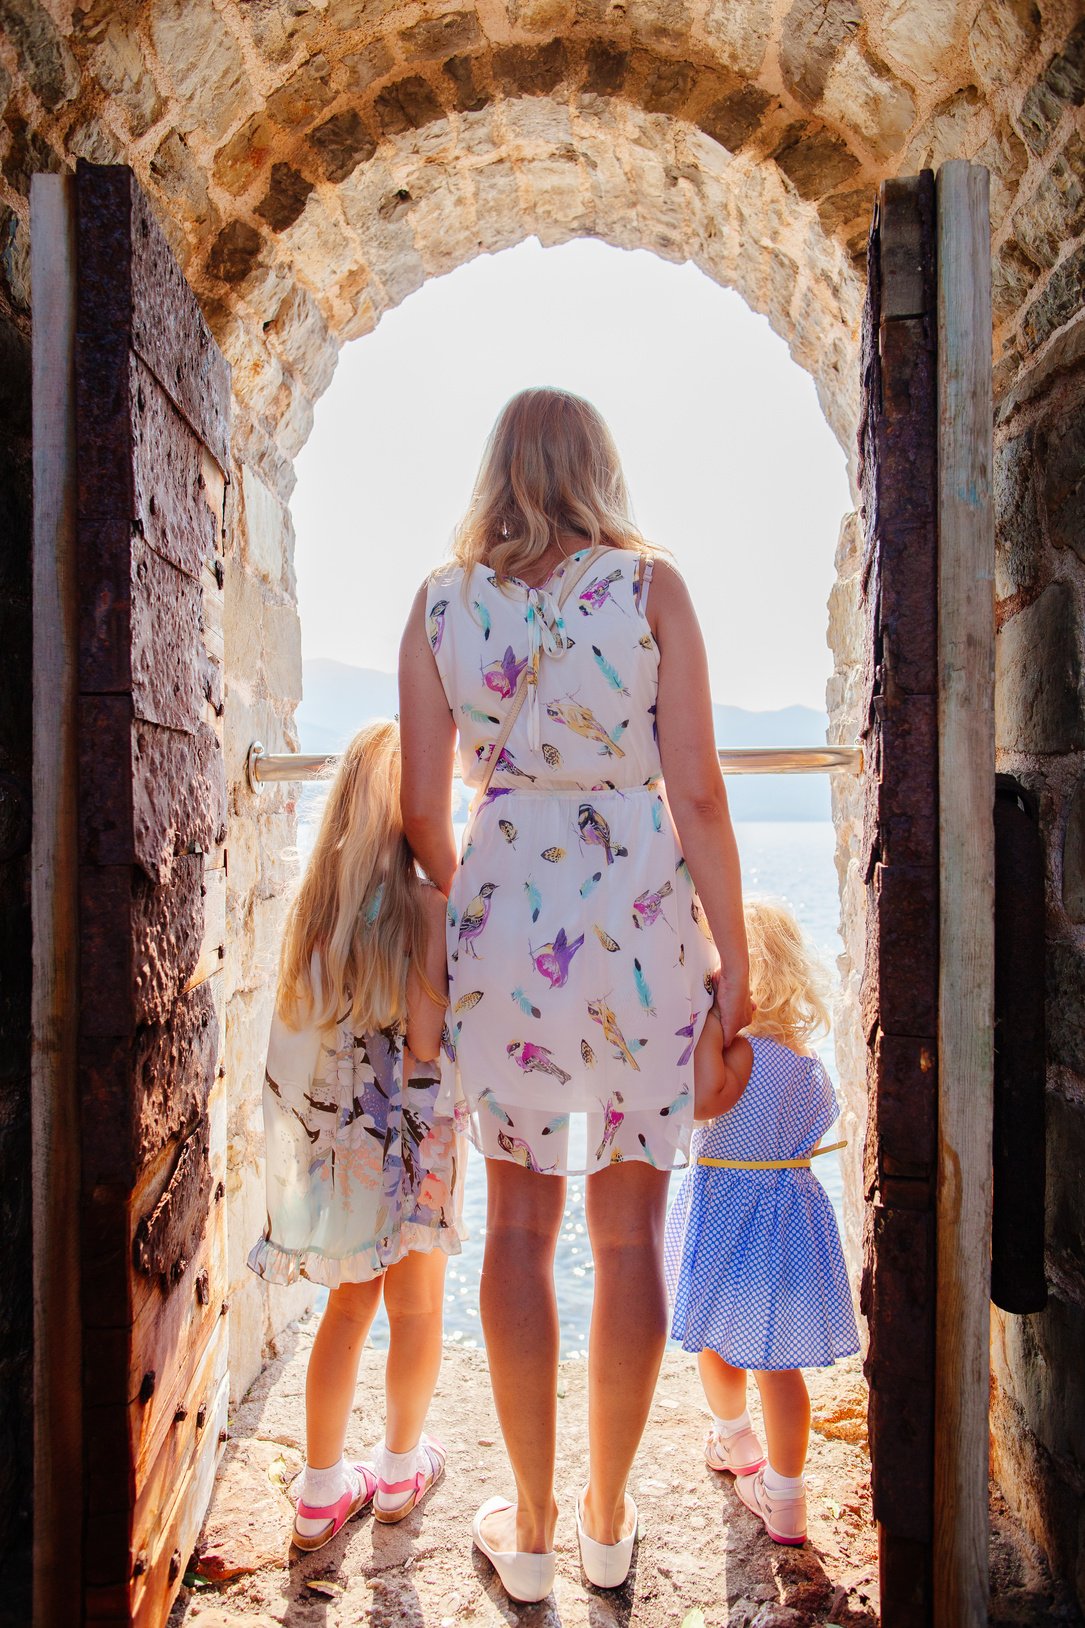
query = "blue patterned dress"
x=754 y=1266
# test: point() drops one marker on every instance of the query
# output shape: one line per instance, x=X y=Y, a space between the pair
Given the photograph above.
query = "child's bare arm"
x=426 y=1016
x=720 y=1074
x=709 y=1072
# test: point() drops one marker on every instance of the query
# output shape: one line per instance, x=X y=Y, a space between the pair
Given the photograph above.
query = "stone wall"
x=314 y=161
x=1038 y=1388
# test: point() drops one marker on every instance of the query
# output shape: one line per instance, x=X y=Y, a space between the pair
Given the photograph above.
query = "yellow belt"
x=772 y=1164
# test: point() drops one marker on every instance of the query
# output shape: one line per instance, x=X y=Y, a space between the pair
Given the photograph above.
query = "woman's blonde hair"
x=787 y=980
x=550 y=469
x=358 y=906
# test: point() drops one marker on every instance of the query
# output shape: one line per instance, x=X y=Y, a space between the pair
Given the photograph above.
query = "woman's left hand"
x=734 y=1006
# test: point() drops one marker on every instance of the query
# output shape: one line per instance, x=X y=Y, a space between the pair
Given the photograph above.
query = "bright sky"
x=728 y=459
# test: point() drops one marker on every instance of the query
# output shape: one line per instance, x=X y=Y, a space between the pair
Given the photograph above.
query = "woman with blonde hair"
x=363 y=1169
x=568 y=658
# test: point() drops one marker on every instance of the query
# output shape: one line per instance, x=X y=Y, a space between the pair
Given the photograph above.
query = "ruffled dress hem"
x=285 y=1266
x=621 y=1143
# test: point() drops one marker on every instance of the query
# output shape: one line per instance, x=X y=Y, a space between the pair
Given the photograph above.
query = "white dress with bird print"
x=579 y=954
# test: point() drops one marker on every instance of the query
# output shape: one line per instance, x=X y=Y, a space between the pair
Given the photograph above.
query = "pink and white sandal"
x=333 y=1516
x=394 y=1500
x=784 y=1518
x=740 y=1453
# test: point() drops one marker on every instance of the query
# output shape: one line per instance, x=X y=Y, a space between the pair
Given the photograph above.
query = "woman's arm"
x=695 y=789
x=428 y=736
x=425 y=1016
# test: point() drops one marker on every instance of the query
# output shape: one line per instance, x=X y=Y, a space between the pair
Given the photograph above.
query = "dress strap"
x=642 y=581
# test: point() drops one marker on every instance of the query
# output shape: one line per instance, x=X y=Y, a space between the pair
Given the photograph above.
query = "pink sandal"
x=784 y=1518
x=741 y=1453
x=335 y=1516
x=394 y=1500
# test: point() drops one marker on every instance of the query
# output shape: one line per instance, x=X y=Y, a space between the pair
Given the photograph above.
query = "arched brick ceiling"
x=314 y=160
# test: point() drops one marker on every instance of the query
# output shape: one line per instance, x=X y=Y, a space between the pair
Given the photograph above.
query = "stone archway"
x=311 y=162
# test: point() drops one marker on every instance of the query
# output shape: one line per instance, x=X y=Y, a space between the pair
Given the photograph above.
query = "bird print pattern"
x=754 y=1266
x=364 y=1163
x=572 y=910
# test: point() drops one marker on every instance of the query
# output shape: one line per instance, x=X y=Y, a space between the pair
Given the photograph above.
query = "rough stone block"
x=815 y=34
x=1061 y=299
x=235 y=253
x=1056 y=211
x=1039 y=704
x=43 y=55
x=1064 y=478
x=1065 y=1006
x=814 y=160
x=1003 y=34
x=1061 y=85
x=340 y=144
x=407 y=105
x=435 y=38
x=203 y=62
x=1073 y=857
x=734 y=118
x=286 y=196
x=1017 y=521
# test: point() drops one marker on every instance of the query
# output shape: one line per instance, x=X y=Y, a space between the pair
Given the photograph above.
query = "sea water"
x=792 y=861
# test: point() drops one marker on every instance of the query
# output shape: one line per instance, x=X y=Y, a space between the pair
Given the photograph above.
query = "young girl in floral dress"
x=363 y=1170
x=753 y=1258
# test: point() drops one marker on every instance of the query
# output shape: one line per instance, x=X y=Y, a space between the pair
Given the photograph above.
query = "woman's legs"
x=724 y=1386
x=520 y=1324
x=333 y=1369
x=785 y=1403
x=414 y=1299
x=626 y=1207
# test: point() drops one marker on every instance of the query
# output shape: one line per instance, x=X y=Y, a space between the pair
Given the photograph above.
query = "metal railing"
x=264 y=768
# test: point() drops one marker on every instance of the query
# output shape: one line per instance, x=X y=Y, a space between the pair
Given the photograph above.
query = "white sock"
x=397 y=1466
x=731 y=1427
x=322 y=1488
x=783 y=1486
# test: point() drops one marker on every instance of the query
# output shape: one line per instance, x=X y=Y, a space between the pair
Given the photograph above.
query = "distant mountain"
x=339 y=698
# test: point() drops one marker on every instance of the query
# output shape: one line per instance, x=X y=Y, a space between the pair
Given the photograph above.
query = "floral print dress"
x=579 y=954
x=362 y=1167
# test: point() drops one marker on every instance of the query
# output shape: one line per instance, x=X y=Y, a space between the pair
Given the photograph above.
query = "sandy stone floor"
x=702 y=1560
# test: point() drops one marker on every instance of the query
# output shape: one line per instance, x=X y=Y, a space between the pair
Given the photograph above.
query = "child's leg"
x=785 y=1402
x=333 y=1369
x=414 y=1298
x=724 y=1386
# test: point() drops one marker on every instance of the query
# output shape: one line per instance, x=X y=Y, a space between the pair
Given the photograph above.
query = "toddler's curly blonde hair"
x=787 y=981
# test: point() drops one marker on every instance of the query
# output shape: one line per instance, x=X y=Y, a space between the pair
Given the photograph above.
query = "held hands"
x=733 y=1006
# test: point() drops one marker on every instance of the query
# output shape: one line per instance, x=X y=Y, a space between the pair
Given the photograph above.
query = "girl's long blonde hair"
x=787 y=980
x=358 y=906
x=550 y=469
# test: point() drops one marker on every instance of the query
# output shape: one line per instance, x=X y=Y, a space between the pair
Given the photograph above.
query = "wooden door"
x=131 y=428
x=927 y=996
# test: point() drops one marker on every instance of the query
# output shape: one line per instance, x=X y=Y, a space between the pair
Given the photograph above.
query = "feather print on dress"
x=576 y=940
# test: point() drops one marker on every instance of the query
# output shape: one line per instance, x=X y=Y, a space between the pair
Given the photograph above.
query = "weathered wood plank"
x=58 y=1443
x=966 y=841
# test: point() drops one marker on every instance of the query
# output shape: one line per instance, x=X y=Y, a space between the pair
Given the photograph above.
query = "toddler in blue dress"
x=754 y=1265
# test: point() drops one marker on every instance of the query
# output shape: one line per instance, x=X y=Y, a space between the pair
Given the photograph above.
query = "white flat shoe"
x=606 y=1565
x=524 y=1577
